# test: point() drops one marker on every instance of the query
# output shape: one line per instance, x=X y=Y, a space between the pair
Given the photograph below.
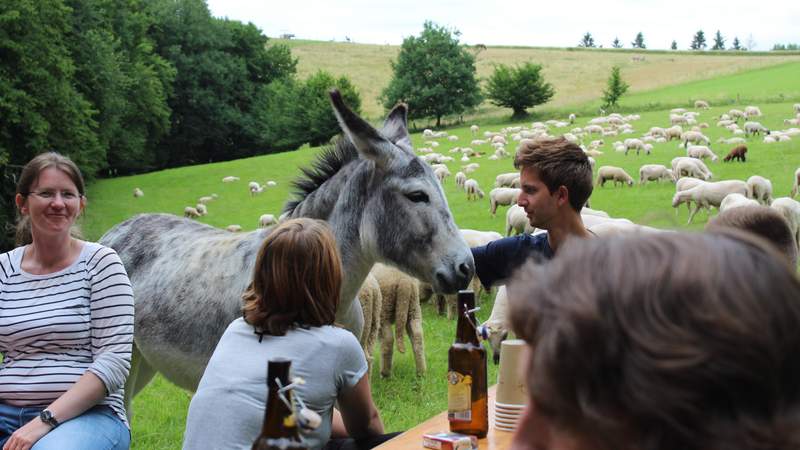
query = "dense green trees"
x=434 y=74
x=518 y=88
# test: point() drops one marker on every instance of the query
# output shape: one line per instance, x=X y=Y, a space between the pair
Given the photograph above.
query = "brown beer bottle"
x=279 y=431
x=467 y=404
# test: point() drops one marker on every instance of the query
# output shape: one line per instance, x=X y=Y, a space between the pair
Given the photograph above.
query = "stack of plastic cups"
x=512 y=395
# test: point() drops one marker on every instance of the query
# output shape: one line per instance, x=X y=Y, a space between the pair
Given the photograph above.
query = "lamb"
x=505 y=179
x=735 y=200
x=473 y=190
x=497 y=325
x=441 y=174
x=137 y=193
x=617 y=174
x=753 y=128
x=400 y=294
x=234 y=228
x=795 y=183
x=230 y=179
x=371 y=305
x=266 y=220
x=737 y=153
x=759 y=189
x=201 y=209
x=461 y=177
x=502 y=196
x=656 y=172
x=701 y=152
x=790 y=209
x=517 y=221
x=701 y=104
x=191 y=212
x=709 y=194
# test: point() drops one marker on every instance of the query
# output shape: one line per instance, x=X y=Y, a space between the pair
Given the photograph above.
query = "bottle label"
x=459 y=397
x=289 y=421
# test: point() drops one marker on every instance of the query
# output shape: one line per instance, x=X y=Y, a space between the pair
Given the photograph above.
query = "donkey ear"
x=395 y=128
x=367 y=140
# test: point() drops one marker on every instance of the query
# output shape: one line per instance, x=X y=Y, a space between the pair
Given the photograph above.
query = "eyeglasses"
x=50 y=195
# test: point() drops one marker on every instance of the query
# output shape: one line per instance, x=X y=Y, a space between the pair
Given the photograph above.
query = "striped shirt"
x=54 y=327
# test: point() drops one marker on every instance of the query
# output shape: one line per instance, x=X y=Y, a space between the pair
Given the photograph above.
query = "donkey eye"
x=417 y=197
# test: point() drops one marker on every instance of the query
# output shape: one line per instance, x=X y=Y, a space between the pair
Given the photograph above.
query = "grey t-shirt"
x=227 y=410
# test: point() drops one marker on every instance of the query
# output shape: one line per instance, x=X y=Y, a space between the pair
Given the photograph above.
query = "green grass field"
x=404 y=400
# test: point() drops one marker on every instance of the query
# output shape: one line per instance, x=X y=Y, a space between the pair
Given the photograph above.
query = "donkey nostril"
x=463 y=269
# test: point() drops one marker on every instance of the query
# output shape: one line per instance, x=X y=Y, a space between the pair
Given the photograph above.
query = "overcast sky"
x=529 y=23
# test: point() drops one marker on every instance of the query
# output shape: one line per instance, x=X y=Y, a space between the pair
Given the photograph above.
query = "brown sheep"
x=737 y=152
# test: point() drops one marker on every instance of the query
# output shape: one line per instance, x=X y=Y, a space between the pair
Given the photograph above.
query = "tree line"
x=698 y=42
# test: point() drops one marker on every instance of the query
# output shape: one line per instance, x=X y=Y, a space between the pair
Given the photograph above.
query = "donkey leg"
x=138 y=377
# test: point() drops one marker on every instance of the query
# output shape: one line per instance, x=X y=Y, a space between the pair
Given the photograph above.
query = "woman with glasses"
x=66 y=322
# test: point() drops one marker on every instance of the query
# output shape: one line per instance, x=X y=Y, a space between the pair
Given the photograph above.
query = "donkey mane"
x=330 y=160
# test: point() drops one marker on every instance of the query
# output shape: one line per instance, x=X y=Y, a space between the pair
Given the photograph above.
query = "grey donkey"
x=382 y=202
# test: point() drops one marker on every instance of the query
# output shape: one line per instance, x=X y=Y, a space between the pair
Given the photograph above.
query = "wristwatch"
x=47 y=417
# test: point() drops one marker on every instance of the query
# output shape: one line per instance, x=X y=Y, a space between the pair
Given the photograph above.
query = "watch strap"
x=47 y=417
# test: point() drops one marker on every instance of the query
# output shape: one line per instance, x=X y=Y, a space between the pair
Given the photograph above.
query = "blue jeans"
x=96 y=429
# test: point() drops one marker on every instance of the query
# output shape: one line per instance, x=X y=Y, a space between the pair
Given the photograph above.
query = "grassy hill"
x=404 y=400
x=578 y=75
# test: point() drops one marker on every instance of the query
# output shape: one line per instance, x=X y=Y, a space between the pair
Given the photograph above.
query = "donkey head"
x=406 y=221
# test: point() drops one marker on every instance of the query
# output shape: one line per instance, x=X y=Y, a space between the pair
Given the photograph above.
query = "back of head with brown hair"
x=296 y=279
x=558 y=162
x=762 y=221
x=665 y=342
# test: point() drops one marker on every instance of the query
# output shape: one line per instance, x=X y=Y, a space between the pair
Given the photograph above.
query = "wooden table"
x=412 y=439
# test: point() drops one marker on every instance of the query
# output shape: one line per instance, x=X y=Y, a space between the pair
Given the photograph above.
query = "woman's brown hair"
x=664 y=342
x=296 y=280
x=29 y=175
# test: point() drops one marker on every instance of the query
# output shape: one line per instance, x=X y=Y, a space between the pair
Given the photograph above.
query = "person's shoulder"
x=10 y=262
x=338 y=335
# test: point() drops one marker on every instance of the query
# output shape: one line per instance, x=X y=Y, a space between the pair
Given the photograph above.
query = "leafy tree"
x=674 y=45
x=615 y=88
x=587 y=41
x=736 y=44
x=519 y=87
x=314 y=107
x=434 y=74
x=616 y=43
x=638 y=42
x=698 y=41
x=719 y=42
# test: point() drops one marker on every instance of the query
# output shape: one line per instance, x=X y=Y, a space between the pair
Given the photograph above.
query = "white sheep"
x=474 y=129
x=452 y=138
x=401 y=308
x=461 y=177
x=502 y=196
x=637 y=144
x=473 y=189
x=617 y=174
x=471 y=167
x=497 y=325
x=701 y=152
x=655 y=172
x=796 y=183
x=517 y=221
x=708 y=194
x=201 y=209
x=790 y=209
x=572 y=118
x=230 y=179
x=732 y=141
x=205 y=199
x=255 y=188
x=441 y=174
x=137 y=193
x=753 y=128
x=736 y=114
x=681 y=166
x=673 y=132
x=759 y=189
x=266 y=220
x=190 y=212
x=683 y=184
x=752 y=111
x=796 y=108
x=735 y=200
x=617 y=227
x=695 y=137
x=234 y=228
x=505 y=179
x=701 y=104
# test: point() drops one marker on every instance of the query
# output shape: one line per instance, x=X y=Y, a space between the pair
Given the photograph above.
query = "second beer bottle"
x=467 y=399
x=279 y=431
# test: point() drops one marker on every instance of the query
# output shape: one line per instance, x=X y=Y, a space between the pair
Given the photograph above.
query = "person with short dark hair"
x=762 y=221
x=660 y=342
x=556 y=181
x=289 y=311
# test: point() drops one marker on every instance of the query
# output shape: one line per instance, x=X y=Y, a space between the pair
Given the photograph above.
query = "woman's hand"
x=27 y=435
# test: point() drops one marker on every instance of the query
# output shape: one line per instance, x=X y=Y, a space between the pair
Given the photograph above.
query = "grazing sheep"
x=752 y=111
x=400 y=294
x=674 y=132
x=735 y=200
x=191 y=212
x=790 y=209
x=737 y=153
x=474 y=191
x=637 y=144
x=517 y=221
x=230 y=179
x=266 y=220
x=681 y=166
x=505 y=179
x=471 y=167
x=201 y=209
x=655 y=172
x=701 y=152
x=701 y=104
x=271 y=183
x=205 y=199
x=736 y=114
x=441 y=174
x=572 y=118
x=759 y=189
x=502 y=196
x=371 y=305
x=497 y=325
x=461 y=177
x=137 y=193
x=708 y=194
x=683 y=184
x=234 y=228
x=695 y=137
x=474 y=129
x=617 y=174
x=753 y=128
x=795 y=183
x=255 y=188
x=677 y=119
x=732 y=141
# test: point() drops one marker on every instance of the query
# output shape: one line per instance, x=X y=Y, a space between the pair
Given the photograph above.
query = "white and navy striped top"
x=55 y=327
